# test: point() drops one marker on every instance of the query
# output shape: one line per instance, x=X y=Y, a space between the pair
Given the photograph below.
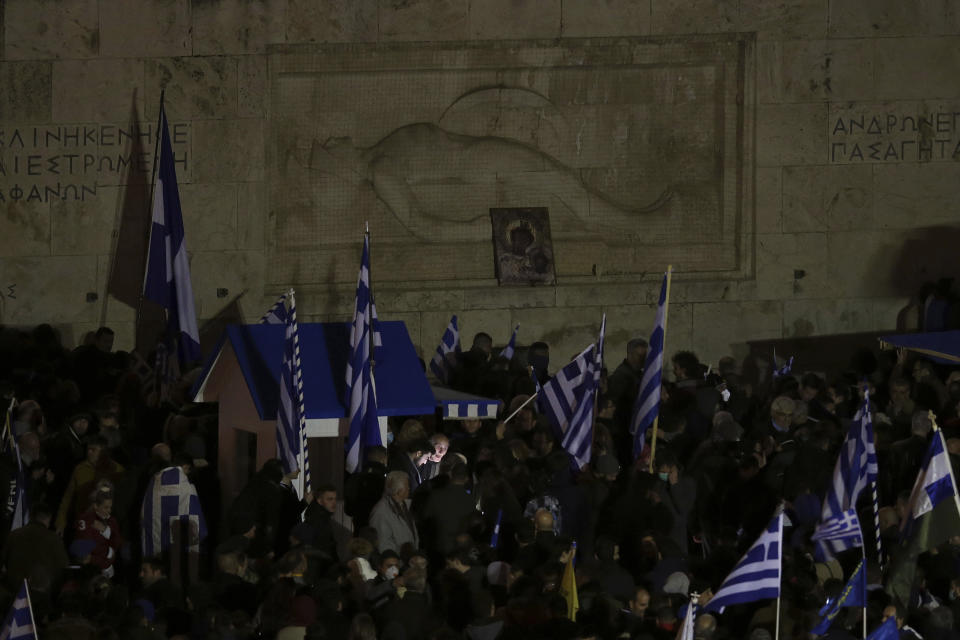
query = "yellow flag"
x=568 y=589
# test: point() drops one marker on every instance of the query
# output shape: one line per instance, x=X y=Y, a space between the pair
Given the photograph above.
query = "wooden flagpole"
x=656 y=418
x=153 y=187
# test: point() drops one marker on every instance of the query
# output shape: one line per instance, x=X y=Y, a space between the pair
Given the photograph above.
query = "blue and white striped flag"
x=277 y=314
x=495 y=536
x=361 y=388
x=17 y=507
x=167 y=281
x=291 y=413
x=856 y=468
x=757 y=575
x=19 y=624
x=511 y=346
x=646 y=408
x=844 y=527
x=445 y=358
x=170 y=497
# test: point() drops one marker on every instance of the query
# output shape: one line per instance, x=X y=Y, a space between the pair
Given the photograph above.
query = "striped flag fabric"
x=844 y=527
x=170 y=497
x=17 y=507
x=277 y=314
x=646 y=408
x=447 y=351
x=757 y=575
x=167 y=280
x=689 y=620
x=495 y=536
x=19 y=624
x=511 y=347
x=856 y=467
x=361 y=388
x=291 y=414
x=854 y=594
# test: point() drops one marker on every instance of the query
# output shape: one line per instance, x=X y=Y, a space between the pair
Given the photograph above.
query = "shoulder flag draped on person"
x=170 y=497
x=447 y=351
x=17 y=506
x=167 y=280
x=361 y=387
x=856 y=468
x=291 y=412
x=19 y=624
x=511 y=345
x=757 y=575
x=933 y=516
x=646 y=408
x=567 y=399
x=854 y=594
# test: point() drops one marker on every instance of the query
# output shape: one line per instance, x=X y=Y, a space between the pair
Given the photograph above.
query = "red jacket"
x=107 y=542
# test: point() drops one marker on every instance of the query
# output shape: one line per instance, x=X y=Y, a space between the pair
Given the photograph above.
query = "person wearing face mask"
x=383 y=588
x=678 y=493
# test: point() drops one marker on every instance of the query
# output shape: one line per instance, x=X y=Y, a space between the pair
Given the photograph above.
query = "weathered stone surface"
x=722 y=328
x=567 y=331
x=916 y=195
x=607 y=18
x=24 y=228
x=194 y=88
x=424 y=20
x=816 y=70
x=236 y=271
x=145 y=29
x=803 y=318
x=868 y=263
x=793 y=265
x=236 y=26
x=851 y=18
x=922 y=68
x=824 y=198
x=27 y=93
x=769 y=200
x=251 y=215
x=51 y=289
x=636 y=321
x=791 y=134
x=228 y=150
x=51 y=29
x=100 y=90
x=699 y=16
x=514 y=19
x=209 y=216
x=494 y=322
x=84 y=227
x=332 y=21
x=784 y=19
x=252 y=81
x=510 y=297
x=395 y=299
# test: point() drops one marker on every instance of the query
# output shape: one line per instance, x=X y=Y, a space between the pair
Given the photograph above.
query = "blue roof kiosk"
x=243 y=376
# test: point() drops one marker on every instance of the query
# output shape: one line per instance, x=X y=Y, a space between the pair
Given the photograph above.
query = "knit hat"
x=678 y=583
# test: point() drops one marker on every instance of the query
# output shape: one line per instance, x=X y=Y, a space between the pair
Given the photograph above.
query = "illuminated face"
x=328 y=500
x=640 y=603
x=439 y=450
x=103 y=509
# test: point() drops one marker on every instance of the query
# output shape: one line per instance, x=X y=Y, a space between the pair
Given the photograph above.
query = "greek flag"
x=277 y=314
x=646 y=408
x=854 y=594
x=19 y=624
x=757 y=575
x=511 y=346
x=361 y=388
x=291 y=414
x=567 y=400
x=170 y=497
x=168 y=271
x=448 y=350
x=495 y=536
x=785 y=369
x=844 y=527
x=17 y=509
x=686 y=632
x=856 y=468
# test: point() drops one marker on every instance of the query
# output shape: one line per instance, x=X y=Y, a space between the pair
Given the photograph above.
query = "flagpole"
x=525 y=403
x=153 y=187
x=26 y=589
x=370 y=303
x=656 y=418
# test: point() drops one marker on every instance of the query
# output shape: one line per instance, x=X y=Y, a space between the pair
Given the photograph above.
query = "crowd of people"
x=463 y=529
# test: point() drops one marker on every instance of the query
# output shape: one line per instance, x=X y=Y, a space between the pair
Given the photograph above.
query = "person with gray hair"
x=624 y=382
x=391 y=516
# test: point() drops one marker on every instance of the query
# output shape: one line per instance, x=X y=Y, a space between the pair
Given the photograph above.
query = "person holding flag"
x=646 y=408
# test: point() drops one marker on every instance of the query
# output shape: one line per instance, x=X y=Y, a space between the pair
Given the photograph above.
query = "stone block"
x=334 y=21
x=916 y=195
x=396 y=299
x=921 y=68
x=101 y=90
x=509 y=297
x=815 y=70
x=251 y=215
x=723 y=328
x=784 y=19
x=237 y=26
x=27 y=94
x=791 y=134
x=885 y=311
x=496 y=322
x=209 y=216
x=45 y=29
x=627 y=322
x=567 y=331
x=228 y=150
x=793 y=265
x=867 y=263
x=85 y=227
x=669 y=17
x=194 y=88
x=24 y=228
x=608 y=18
x=49 y=289
x=423 y=20
x=515 y=19
x=608 y=293
x=803 y=318
x=237 y=271
x=769 y=216
x=252 y=80
x=145 y=29
x=824 y=198
x=881 y=18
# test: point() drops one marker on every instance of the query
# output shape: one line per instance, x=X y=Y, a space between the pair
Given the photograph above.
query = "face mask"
x=664 y=476
x=390 y=437
x=392 y=573
x=725 y=394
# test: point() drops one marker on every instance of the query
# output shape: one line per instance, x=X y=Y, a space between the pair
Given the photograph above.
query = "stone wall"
x=832 y=194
